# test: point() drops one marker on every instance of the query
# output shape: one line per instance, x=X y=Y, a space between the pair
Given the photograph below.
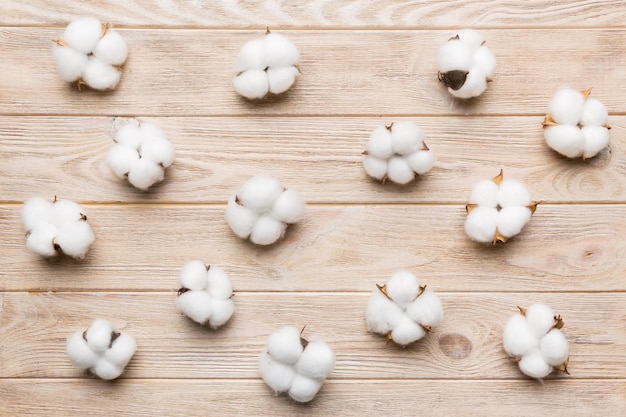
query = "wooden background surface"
x=364 y=63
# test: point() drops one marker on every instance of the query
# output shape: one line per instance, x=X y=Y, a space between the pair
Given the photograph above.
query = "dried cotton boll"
x=121 y=350
x=197 y=305
x=219 y=284
x=402 y=288
x=285 y=345
x=554 y=348
x=517 y=338
x=426 y=310
x=540 y=319
x=83 y=34
x=317 y=360
x=80 y=352
x=267 y=65
x=534 y=365
x=465 y=64
x=381 y=315
x=576 y=125
x=406 y=332
x=111 y=49
x=36 y=210
x=144 y=173
x=277 y=375
x=41 y=240
x=262 y=209
x=498 y=210
x=121 y=159
x=75 y=238
x=397 y=153
x=303 y=389
x=70 y=62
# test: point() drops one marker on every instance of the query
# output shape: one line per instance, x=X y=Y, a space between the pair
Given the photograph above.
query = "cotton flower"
x=295 y=365
x=102 y=349
x=498 y=210
x=141 y=153
x=90 y=53
x=262 y=209
x=266 y=65
x=533 y=338
x=465 y=64
x=205 y=294
x=57 y=226
x=397 y=153
x=576 y=126
x=403 y=310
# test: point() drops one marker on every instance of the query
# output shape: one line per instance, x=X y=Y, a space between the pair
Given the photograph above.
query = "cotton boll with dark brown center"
x=267 y=65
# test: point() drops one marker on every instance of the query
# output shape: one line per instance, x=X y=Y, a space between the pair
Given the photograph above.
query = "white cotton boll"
x=194 y=276
x=251 y=56
x=279 y=51
x=70 y=62
x=399 y=170
x=260 y=193
x=317 y=360
x=379 y=144
x=112 y=48
x=281 y=79
x=83 y=34
x=197 y=305
x=374 y=167
x=220 y=285
x=517 y=338
x=284 y=345
x=99 y=335
x=421 y=161
x=35 y=211
x=426 y=310
x=485 y=193
x=129 y=135
x=75 y=238
x=240 y=218
x=222 y=312
x=64 y=211
x=40 y=238
x=481 y=223
x=454 y=55
x=475 y=84
x=389 y=314
x=406 y=137
x=554 y=348
x=106 y=370
x=277 y=375
x=304 y=389
x=267 y=230
x=485 y=60
x=533 y=365
x=594 y=113
x=567 y=140
x=513 y=193
x=100 y=75
x=511 y=220
x=374 y=313
x=144 y=173
x=402 y=287
x=289 y=207
x=252 y=84
x=596 y=139
x=540 y=319
x=79 y=352
x=159 y=150
x=566 y=106
x=122 y=350
x=471 y=38
x=149 y=131
x=407 y=331
x=121 y=158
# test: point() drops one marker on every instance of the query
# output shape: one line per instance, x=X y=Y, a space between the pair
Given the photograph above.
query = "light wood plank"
x=346 y=398
x=468 y=343
x=320 y=157
x=563 y=248
x=189 y=72
x=321 y=13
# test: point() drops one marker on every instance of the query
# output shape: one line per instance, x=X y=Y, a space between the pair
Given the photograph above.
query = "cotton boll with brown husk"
x=90 y=53
x=266 y=66
x=498 y=210
x=102 y=349
x=262 y=209
x=56 y=226
x=465 y=64
x=397 y=153
x=402 y=310
x=205 y=295
x=294 y=365
x=576 y=126
x=141 y=153
x=533 y=338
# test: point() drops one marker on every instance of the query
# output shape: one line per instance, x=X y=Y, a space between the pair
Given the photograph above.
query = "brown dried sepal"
x=558 y=322
x=470 y=207
x=454 y=79
x=238 y=201
x=499 y=238
x=522 y=310
x=549 y=121
x=498 y=178
x=563 y=367
x=182 y=290
x=114 y=336
x=383 y=289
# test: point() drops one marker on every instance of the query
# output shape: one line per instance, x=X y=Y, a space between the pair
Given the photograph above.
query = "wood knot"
x=455 y=346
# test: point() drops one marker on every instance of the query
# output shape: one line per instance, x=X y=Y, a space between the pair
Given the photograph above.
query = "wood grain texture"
x=189 y=72
x=320 y=13
x=351 y=248
x=467 y=344
x=320 y=157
